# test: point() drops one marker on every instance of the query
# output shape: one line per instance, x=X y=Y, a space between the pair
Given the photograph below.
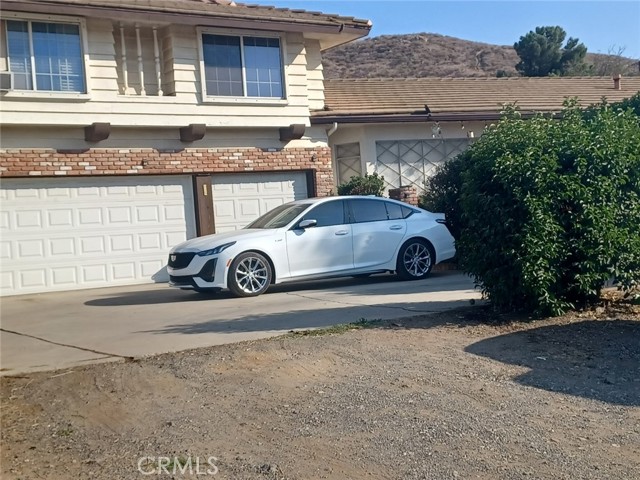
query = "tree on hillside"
x=614 y=63
x=541 y=53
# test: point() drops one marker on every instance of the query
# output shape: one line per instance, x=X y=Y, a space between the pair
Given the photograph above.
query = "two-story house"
x=129 y=126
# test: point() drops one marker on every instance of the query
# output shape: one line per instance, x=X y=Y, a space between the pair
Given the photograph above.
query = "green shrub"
x=551 y=208
x=442 y=191
x=368 y=185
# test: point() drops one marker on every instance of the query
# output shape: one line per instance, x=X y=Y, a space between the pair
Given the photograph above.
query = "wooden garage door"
x=239 y=199
x=65 y=234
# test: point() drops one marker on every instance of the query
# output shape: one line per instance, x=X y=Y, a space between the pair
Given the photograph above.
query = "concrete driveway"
x=62 y=330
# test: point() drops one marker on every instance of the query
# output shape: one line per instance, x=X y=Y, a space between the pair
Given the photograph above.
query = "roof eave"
x=410 y=118
x=222 y=20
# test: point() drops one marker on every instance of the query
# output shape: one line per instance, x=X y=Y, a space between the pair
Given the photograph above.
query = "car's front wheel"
x=249 y=275
x=415 y=260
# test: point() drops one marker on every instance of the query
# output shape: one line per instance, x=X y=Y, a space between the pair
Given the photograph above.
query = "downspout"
x=334 y=162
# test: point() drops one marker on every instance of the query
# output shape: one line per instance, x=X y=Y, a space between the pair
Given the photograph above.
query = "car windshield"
x=279 y=216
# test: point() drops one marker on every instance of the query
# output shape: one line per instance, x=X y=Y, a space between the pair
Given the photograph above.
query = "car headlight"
x=215 y=251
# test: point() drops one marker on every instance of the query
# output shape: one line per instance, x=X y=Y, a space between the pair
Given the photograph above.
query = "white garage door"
x=67 y=234
x=240 y=199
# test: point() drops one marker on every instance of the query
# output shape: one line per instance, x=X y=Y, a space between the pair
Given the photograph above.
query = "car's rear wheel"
x=415 y=260
x=249 y=275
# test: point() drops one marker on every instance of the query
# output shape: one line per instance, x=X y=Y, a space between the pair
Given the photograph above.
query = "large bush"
x=368 y=185
x=551 y=208
x=442 y=191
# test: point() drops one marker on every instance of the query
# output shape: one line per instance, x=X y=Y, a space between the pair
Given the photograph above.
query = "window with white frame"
x=45 y=56
x=242 y=66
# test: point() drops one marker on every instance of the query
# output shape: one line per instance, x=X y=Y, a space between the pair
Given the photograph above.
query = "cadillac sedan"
x=312 y=239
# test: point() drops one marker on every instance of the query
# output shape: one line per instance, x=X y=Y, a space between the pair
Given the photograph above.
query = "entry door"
x=325 y=248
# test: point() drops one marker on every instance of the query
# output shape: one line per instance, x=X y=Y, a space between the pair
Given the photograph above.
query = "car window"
x=279 y=216
x=394 y=211
x=326 y=214
x=368 y=211
x=407 y=212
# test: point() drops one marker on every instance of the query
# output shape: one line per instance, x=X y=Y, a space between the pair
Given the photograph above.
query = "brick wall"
x=145 y=161
x=405 y=194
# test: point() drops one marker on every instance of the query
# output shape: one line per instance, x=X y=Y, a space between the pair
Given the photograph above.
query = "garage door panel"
x=238 y=199
x=148 y=213
x=271 y=203
x=5 y=250
x=62 y=246
x=119 y=215
x=31 y=249
x=35 y=278
x=63 y=276
x=60 y=218
x=89 y=217
x=89 y=245
x=123 y=271
x=81 y=233
x=173 y=213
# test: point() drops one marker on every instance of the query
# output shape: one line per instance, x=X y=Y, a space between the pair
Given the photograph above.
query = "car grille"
x=180 y=260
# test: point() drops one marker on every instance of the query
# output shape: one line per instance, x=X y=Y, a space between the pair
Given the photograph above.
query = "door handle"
x=395 y=227
x=342 y=232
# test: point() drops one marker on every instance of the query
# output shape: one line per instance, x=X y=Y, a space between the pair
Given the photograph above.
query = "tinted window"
x=279 y=216
x=406 y=211
x=368 y=211
x=326 y=214
x=394 y=211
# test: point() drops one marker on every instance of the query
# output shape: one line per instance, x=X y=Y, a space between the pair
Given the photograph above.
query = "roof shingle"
x=225 y=8
x=350 y=97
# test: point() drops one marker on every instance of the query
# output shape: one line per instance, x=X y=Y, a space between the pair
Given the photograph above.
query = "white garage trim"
x=239 y=199
x=75 y=233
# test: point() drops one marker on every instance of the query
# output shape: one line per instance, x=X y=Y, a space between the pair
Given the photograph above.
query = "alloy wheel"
x=251 y=275
x=417 y=260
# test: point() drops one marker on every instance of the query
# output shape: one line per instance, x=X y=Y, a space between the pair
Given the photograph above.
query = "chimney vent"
x=617 y=82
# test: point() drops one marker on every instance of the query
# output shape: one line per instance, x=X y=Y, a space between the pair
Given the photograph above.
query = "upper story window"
x=45 y=56
x=242 y=66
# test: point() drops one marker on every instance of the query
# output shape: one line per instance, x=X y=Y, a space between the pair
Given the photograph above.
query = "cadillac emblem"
x=173 y=258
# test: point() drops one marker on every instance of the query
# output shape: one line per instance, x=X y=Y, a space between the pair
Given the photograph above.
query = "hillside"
x=432 y=55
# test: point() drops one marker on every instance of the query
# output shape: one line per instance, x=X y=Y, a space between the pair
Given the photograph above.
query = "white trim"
x=47 y=95
x=208 y=99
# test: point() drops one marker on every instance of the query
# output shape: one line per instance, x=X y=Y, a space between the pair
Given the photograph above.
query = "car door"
x=378 y=229
x=325 y=248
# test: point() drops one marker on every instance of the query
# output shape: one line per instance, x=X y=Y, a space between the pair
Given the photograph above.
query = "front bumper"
x=189 y=271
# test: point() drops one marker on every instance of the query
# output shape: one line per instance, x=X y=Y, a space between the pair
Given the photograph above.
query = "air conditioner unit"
x=6 y=81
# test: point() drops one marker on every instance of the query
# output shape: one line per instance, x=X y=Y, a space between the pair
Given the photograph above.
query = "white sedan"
x=312 y=239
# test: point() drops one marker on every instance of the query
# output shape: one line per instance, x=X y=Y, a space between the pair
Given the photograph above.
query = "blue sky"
x=600 y=25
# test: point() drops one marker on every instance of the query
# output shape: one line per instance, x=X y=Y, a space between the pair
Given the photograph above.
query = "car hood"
x=211 y=241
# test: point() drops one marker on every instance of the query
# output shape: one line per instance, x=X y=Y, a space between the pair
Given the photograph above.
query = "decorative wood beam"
x=192 y=132
x=97 y=131
x=294 y=131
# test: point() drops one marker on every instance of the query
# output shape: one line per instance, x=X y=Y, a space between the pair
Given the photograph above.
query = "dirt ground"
x=434 y=397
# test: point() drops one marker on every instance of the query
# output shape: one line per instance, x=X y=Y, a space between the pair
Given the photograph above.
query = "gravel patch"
x=435 y=397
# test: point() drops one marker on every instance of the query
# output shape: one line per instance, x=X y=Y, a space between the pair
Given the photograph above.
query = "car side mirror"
x=307 y=223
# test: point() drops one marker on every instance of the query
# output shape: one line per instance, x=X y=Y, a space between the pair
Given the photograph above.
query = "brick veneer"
x=146 y=161
x=406 y=194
